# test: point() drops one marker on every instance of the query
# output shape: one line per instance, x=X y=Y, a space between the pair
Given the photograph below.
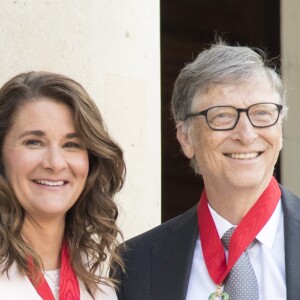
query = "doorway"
x=187 y=27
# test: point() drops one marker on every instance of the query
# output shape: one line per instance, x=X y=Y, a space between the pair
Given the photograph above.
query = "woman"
x=59 y=173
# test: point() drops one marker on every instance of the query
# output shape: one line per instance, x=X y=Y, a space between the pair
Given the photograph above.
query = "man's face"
x=242 y=157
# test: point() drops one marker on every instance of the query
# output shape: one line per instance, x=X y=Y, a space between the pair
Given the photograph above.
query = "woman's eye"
x=72 y=145
x=33 y=143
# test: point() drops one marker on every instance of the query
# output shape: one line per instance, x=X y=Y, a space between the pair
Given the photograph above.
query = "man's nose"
x=244 y=130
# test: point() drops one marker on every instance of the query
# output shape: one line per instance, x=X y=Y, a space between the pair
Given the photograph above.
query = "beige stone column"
x=112 y=47
x=290 y=49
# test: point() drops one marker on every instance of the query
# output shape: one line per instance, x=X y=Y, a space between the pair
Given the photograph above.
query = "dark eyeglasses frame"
x=239 y=111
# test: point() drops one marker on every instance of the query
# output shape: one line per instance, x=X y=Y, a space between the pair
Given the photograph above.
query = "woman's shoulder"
x=105 y=292
x=15 y=286
x=10 y=276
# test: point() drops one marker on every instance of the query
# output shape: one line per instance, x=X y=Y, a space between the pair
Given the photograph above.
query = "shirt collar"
x=267 y=234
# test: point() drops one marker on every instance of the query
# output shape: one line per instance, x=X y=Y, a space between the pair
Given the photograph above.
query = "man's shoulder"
x=290 y=202
x=288 y=194
x=178 y=225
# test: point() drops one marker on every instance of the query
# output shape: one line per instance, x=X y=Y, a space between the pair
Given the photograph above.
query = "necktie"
x=241 y=282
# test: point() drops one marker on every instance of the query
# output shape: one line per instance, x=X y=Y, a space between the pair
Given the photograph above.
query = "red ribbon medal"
x=68 y=287
x=244 y=234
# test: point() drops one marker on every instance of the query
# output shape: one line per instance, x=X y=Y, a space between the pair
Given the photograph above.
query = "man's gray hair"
x=220 y=64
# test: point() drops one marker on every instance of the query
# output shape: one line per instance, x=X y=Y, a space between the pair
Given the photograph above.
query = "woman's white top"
x=17 y=286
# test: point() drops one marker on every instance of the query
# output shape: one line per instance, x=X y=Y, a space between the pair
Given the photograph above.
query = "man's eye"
x=224 y=115
x=260 y=113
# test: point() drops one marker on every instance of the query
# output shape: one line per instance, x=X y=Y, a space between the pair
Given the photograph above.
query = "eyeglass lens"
x=260 y=115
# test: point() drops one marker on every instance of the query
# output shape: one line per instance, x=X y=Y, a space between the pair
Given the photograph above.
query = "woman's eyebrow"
x=38 y=133
x=72 y=135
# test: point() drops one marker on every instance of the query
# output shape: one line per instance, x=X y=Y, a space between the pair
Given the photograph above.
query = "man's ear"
x=184 y=140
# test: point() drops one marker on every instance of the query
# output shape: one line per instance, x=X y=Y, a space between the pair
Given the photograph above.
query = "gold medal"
x=219 y=293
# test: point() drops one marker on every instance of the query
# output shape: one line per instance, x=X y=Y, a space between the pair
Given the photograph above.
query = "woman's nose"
x=54 y=159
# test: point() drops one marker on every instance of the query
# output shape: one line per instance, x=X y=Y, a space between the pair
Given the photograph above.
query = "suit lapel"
x=291 y=211
x=172 y=259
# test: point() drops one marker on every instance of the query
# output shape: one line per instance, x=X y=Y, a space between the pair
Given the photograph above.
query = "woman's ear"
x=184 y=140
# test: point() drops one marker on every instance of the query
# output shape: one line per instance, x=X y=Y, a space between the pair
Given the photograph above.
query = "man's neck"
x=233 y=204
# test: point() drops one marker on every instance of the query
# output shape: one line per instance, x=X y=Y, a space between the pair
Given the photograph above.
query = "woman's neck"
x=46 y=239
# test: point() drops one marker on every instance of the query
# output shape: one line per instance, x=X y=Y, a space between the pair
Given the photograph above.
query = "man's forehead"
x=239 y=93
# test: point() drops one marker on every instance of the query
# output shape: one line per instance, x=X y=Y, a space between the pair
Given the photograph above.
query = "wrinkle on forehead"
x=219 y=94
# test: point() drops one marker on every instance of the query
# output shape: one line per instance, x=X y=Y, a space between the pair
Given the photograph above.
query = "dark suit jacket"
x=158 y=262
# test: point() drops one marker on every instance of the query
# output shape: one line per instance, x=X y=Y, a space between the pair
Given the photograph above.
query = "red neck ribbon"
x=68 y=287
x=244 y=234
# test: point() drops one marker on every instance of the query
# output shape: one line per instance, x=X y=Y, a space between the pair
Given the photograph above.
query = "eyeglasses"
x=260 y=115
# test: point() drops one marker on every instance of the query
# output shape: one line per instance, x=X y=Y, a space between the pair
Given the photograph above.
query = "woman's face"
x=45 y=161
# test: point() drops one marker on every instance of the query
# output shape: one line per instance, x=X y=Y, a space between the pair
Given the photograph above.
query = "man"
x=228 y=107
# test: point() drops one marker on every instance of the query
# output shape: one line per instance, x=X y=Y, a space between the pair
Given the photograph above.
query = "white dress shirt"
x=267 y=258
